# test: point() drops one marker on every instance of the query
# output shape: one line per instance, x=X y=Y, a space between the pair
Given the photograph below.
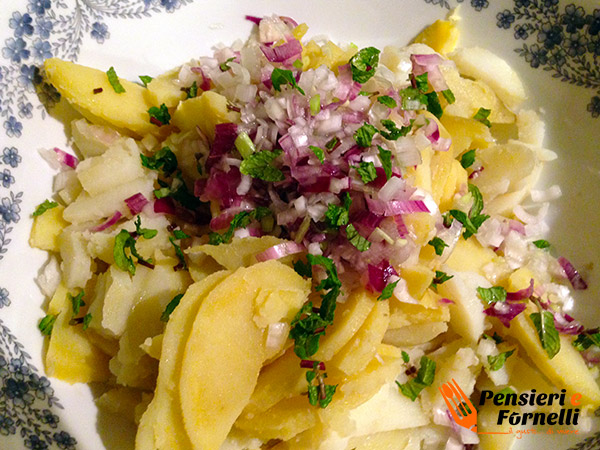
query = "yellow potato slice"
x=441 y=35
x=71 y=357
x=225 y=349
x=46 y=229
x=162 y=422
x=128 y=111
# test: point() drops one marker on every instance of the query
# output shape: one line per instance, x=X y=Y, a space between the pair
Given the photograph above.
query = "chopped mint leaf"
x=319 y=153
x=393 y=132
x=438 y=244
x=413 y=99
x=482 y=116
x=192 y=91
x=164 y=317
x=146 y=233
x=259 y=165
x=367 y=171
x=361 y=243
x=320 y=393
x=549 y=338
x=159 y=116
x=586 y=340
x=424 y=378
x=224 y=66
x=124 y=261
x=440 y=278
x=449 y=96
x=385 y=156
x=77 y=302
x=298 y=64
x=496 y=337
x=332 y=143
x=364 y=135
x=492 y=295
x=433 y=104
x=315 y=104
x=164 y=160
x=281 y=76
x=497 y=362
x=388 y=101
x=405 y=356
x=240 y=220
x=388 y=291
x=178 y=251
x=421 y=82
x=542 y=243
x=145 y=79
x=46 y=324
x=468 y=158
x=43 y=207
x=113 y=79
x=477 y=201
x=87 y=319
x=471 y=224
x=337 y=216
x=364 y=64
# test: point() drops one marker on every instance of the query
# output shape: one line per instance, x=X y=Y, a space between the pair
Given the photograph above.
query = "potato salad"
x=295 y=244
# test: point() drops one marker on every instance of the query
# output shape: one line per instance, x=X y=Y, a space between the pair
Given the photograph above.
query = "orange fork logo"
x=459 y=405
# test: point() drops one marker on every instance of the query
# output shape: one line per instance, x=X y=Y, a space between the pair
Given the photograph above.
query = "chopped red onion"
x=566 y=324
x=521 y=294
x=109 y=223
x=446 y=301
x=164 y=206
x=136 y=203
x=572 y=274
x=205 y=85
x=284 y=52
x=66 y=159
x=309 y=364
x=254 y=19
x=280 y=250
x=380 y=274
x=225 y=136
x=395 y=207
x=505 y=311
x=430 y=64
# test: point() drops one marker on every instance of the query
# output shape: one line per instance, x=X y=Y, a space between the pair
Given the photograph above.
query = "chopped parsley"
x=421 y=82
x=474 y=219
x=164 y=317
x=367 y=171
x=364 y=64
x=438 y=244
x=424 y=378
x=468 y=158
x=364 y=135
x=87 y=319
x=145 y=79
x=586 y=340
x=192 y=91
x=159 y=116
x=385 y=156
x=77 y=302
x=337 y=215
x=549 y=338
x=393 y=132
x=46 y=324
x=542 y=243
x=164 y=160
x=178 y=234
x=388 y=101
x=497 y=362
x=354 y=237
x=319 y=153
x=224 y=66
x=281 y=77
x=43 y=207
x=482 y=116
x=258 y=165
x=492 y=295
x=388 y=290
x=113 y=79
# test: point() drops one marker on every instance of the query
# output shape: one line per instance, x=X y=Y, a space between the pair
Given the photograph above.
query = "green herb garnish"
x=337 y=215
x=364 y=135
x=385 y=156
x=113 y=79
x=468 y=158
x=145 y=79
x=159 y=116
x=77 y=302
x=224 y=66
x=388 y=291
x=549 y=338
x=424 y=378
x=258 y=165
x=542 y=243
x=281 y=77
x=497 y=362
x=367 y=171
x=492 y=295
x=482 y=116
x=43 y=207
x=388 y=101
x=164 y=160
x=164 y=317
x=438 y=244
x=364 y=64
x=361 y=243
x=319 y=153
x=46 y=324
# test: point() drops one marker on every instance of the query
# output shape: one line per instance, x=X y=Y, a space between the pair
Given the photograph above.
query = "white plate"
x=554 y=46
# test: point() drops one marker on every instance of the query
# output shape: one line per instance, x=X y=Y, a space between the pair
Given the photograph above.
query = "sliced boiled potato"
x=240 y=252
x=165 y=89
x=482 y=64
x=93 y=140
x=469 y=255
x=466 y=313
x=225 y=349
x=46 y=229
x=127 y=112
x=441 y=35
x=357 y=353
x=204 y=111
x=76 y=262
x=531 y=128
x=566 y=370
x=403 y=314
x=162 y=422
x=418 y=279
x=71 y=357
x=415 y=334
x=447 y=178
x=467 y=133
